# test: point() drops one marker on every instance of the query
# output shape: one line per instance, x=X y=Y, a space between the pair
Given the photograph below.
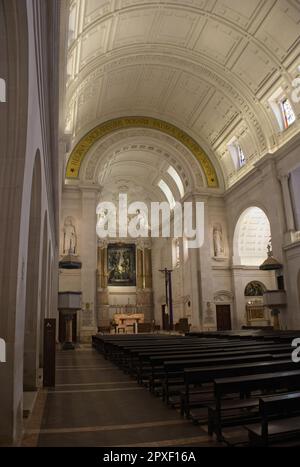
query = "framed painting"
x=121 y=265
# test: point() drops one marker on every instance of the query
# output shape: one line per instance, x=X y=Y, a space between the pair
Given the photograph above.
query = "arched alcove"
x=255 y=289
x=31 y=356
x=49 y=283
x=251 y=237
x=44 y=290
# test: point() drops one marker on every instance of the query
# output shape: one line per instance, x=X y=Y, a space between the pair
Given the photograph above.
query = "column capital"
x=283 y=177
x=90 y=189
x=196 y=196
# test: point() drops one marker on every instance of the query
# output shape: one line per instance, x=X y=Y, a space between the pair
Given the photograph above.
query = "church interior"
x=136 y=339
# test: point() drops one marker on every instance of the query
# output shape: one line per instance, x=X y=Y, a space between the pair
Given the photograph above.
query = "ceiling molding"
x=209 y=67
x=92 y=137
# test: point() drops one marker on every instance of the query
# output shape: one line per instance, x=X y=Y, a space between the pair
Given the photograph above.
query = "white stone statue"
x=70 y=237
x=218 y=241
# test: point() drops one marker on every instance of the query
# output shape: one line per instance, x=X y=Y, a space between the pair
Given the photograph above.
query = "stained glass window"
x=288 y=113
x=241 y=155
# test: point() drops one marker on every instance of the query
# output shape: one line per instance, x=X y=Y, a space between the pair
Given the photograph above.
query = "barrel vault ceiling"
x=207 y=66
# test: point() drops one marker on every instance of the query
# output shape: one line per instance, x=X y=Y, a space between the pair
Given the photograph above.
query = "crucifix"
x=169 y=298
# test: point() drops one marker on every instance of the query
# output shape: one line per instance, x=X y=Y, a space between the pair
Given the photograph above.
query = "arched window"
x=174 y=174
x=251 y=238
x=168 y=193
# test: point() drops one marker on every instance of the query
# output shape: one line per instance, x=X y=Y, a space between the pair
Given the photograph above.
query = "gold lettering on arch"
x=84 y=145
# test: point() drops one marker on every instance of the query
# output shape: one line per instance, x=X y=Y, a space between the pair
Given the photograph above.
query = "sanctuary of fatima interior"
x=150 y=223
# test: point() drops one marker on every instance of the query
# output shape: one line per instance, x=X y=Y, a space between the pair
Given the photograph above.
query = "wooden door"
x=49 y=352
x=223 y=317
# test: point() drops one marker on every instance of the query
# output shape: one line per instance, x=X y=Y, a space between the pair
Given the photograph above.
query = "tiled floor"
x=95 y=404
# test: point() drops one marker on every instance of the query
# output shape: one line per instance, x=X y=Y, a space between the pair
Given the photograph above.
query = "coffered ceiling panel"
x=202 y=65
x=238 y=12
x=280 y=30
x=186 y=97
x=134 y=27
x=93 y=43
x=254 y=67
x=175 y=27
x=217 y=41
x=153 y=86
x=215 y=117
x=96 y=9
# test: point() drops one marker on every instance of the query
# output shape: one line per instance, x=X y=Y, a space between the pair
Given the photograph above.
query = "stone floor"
x=95 y=404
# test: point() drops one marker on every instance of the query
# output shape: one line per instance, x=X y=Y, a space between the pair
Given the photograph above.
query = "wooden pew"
x=156 y=373
x=245 y=385
x=137 y=360
x=199 y=376
x=280 y=419
x=173 y=379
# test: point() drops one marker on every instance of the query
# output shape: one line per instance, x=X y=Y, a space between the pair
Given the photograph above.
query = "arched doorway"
x=32 y=313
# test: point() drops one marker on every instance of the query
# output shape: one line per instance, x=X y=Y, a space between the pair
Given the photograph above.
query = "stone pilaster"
x=202 y=287
x=288 y=207
x=88 y=255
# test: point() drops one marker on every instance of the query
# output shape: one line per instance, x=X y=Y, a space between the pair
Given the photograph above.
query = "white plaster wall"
x=19 y=171
x=262 y=188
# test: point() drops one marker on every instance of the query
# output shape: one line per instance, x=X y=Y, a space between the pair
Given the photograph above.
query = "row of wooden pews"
x=221 y=380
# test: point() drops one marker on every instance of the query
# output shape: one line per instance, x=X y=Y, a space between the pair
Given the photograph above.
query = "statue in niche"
x=139 y=222
x=218 y=241
x=70 y=237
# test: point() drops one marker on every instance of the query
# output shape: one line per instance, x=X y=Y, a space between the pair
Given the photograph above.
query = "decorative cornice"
x=86 y=143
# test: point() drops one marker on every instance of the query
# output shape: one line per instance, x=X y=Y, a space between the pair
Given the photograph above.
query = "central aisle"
x=96 y=404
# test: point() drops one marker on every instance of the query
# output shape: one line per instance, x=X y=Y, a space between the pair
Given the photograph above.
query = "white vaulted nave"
x=163 y=104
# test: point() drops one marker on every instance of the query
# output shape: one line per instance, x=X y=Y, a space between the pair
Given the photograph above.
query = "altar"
x=127 y=321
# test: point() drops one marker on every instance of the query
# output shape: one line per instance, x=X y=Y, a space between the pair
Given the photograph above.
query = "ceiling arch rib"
x=205 y=66
x=138 y=171
x=162 y=151
x=86 y=143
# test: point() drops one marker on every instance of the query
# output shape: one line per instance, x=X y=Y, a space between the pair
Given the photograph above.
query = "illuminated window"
x=173 y=173
x=241 y=155
x=176 y=253
x=237 y=153
x=168 y=193
x=287 y=112
x=2 y=90
x=72 y=26
x=282 y=109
